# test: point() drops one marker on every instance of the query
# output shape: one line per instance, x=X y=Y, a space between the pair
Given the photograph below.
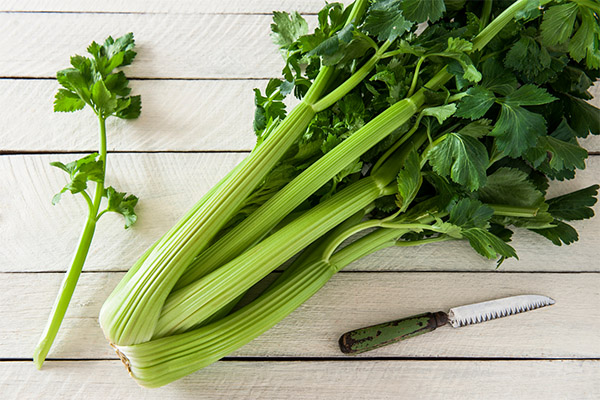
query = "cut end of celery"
x=123 y=358
x=38 y=359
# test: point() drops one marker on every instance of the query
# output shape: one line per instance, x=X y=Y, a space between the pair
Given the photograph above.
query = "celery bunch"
x=448 y=134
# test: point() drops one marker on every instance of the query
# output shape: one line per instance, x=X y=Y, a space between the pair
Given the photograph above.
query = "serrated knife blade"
x=488 y=310
x=372 y=337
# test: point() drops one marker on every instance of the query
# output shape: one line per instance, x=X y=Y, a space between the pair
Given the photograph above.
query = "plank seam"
x=50 y=152
x=413 y=271
x=141 y=13
x=142 y=78
x=338 y=359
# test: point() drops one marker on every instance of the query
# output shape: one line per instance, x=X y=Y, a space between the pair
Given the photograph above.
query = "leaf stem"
x=396 y=145
x=65 y=293
x=407 y=243
x=413 y=85
x=485 y=14
x=71 y=278
x=101 y=214
x=88 y=200
x=352 y=81
x=514 y=211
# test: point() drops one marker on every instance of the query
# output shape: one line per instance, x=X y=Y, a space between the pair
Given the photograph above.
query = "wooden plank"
x=168 y=184
x=349 y=301
x=156 y=6
x=168 y=45
x=176 y=116
x=328 y=380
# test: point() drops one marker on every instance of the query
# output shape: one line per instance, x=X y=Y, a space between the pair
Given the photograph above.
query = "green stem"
x=368 y=39
x=456 y=97
x=197 y=301
x=413 y=85
x=397 y=145
x=161 y=361
x=485 y=14
x=67 y=288
x=514 y=211
x=425 y=154
x=441 y=238
x=88 y=200
x=65 y=293
x=351 y=82
x=343 y=236
x=493 y=28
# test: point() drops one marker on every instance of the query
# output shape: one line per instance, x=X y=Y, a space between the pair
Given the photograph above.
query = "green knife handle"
x=380 y=335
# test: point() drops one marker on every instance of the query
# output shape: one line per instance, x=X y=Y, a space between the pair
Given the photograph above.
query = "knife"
x=372 y=337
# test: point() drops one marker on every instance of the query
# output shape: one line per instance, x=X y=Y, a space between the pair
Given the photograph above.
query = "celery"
x=424 y=138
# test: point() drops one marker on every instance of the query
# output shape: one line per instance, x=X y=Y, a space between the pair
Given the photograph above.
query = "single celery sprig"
x=91 y=81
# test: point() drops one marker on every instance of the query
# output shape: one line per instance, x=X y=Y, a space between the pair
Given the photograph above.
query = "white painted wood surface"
x=323 y=380
x=201 y=57
x=348 y=301
x=200 y=46
x=158 y=6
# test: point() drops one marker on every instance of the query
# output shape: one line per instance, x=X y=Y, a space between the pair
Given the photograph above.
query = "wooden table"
x=197 y=63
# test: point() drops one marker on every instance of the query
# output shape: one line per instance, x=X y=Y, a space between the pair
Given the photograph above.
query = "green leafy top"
x=92 y=81
x=507 y=124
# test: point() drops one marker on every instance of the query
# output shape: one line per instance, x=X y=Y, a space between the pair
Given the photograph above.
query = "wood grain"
x=177 y=115
x=326 y=380
x=156 y=6
x=168 y=45
x=37 y=236
x=349 y=301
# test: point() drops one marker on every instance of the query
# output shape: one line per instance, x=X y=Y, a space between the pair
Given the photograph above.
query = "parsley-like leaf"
x=123 y=204
x=93 y=82
x=441 y=113
x=421 y=11
x=409 y=180
x=558 y=234
x=557 y=25
x=469 y=213
x=476 y=103
x=488 y=245
x=463 y=158
x=563 y=155
x=584 y=43
x=575 y=205
x=510 y=186
x=583 y=117
x=386 y=21
x=287 y=28
x=67 y=101
x=518 y=129
x=88 y=168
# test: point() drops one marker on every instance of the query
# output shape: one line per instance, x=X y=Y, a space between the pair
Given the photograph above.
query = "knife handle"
x=372 y=337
